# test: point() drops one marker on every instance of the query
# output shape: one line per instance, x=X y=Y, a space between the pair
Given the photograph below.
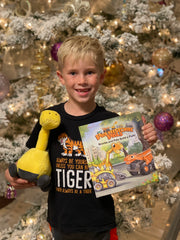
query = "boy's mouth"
x=83 y=90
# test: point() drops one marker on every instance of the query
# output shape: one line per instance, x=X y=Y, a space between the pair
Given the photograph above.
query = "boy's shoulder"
x=103 y=113
x=103 y=109
x=57 y=107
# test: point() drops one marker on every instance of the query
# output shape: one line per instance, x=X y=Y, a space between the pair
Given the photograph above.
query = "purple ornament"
x=163 y=121
x=4 y=86
x=10 y=192
x=54 y=50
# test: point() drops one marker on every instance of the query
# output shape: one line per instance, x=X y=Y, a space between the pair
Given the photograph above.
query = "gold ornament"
x=16 y=62
x=162 y=57
x=40 y=71
x=114 y=74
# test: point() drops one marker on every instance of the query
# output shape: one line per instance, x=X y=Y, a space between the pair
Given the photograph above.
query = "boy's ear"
x=60 y=76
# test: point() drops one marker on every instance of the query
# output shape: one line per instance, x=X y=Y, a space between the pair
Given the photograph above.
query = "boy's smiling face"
x=82 y=79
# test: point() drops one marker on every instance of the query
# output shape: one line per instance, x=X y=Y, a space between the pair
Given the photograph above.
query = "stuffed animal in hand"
x=34 y=165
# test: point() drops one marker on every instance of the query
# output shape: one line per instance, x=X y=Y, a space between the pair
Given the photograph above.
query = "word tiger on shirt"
x=72 y=170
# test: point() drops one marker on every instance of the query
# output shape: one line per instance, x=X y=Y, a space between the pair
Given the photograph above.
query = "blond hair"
x=78 y=47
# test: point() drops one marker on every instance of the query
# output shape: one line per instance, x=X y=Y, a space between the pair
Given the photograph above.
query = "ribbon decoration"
x=23 y=8
x=79 y=7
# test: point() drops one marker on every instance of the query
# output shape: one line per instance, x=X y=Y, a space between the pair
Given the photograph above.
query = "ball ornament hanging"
x=163 y=121
x=114 y=74
x=162 y=57
x=54 y=50
x=4 y=86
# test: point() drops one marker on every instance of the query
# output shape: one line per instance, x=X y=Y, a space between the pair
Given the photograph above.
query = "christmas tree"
x=141 y=39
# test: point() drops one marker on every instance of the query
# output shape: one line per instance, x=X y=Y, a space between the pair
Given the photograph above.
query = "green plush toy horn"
x=34 y=165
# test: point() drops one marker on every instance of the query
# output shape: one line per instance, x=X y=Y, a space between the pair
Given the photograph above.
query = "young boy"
x=74 y=212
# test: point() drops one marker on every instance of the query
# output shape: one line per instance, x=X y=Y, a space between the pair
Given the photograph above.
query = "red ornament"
x=163 y=121
x=54 y=50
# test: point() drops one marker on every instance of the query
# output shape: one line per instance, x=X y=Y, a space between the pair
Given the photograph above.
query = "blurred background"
x=141 y=39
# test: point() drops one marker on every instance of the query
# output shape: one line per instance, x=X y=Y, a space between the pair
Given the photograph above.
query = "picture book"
x=118 y=156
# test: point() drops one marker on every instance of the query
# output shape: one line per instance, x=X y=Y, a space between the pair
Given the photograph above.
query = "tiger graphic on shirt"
x=70 y=146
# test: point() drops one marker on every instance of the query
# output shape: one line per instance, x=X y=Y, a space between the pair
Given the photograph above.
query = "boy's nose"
x=82 y=79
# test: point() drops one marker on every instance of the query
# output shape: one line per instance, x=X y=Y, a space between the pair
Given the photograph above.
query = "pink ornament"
x=4 y=86
x=163 y=121
x=54 y=50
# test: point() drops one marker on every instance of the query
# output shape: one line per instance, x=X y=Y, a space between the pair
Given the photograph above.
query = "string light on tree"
x=178 y=124
x=152 y=72
x=40 y=236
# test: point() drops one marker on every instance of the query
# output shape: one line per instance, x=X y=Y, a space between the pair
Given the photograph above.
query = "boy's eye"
x=90 y=72
x=72 y=73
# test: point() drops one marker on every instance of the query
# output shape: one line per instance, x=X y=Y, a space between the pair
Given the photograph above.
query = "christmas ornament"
x=40 y=71
x=4 y=86
x=16 y=62
x=23 y=8
x=54 y=51
x=10 y=192
x=78 y=8
x=163 y=121
x=114 y=74
x=162 y=57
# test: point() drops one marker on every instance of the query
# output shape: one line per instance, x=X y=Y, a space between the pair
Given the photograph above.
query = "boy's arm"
x=18 y=183
x=149 y=132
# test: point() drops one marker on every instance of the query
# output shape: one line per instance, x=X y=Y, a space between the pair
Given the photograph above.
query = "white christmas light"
x=31 y=221
x=98 y=27
x=175 y=40
x=121 y=41
x=28 y=26
x=35 y=120
x=152 y=72
x=133 y=197
x=178 y=124
x=176 y=189
x=131 y=26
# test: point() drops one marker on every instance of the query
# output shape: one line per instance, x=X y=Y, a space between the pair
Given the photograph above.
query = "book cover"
x=118 y=156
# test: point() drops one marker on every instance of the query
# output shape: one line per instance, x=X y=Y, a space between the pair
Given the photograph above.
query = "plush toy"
x=34 y=165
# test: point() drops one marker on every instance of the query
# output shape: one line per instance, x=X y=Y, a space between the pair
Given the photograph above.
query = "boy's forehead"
x=72 y=59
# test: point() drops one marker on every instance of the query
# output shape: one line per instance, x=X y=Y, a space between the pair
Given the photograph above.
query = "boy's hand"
x=149 y=132
x=18 y=183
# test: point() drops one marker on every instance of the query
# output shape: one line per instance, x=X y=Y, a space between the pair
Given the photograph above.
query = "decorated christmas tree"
x=141 y=39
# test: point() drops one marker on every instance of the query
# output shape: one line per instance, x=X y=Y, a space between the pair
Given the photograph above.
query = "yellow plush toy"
x=34 y=165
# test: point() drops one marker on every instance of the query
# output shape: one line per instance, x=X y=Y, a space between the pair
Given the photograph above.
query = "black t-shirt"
x=72 y=205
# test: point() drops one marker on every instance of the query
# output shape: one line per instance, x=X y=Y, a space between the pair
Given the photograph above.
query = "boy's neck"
x=79 y=110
